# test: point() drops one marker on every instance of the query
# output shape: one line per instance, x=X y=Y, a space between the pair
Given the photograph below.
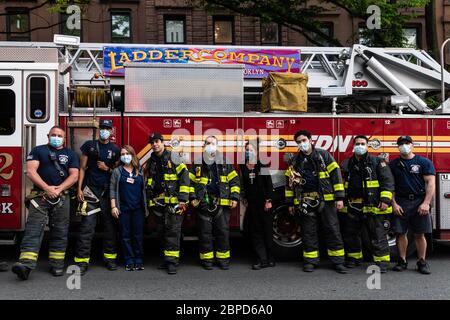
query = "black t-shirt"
x=257 y=184
x=109 y=153
x=47 y=170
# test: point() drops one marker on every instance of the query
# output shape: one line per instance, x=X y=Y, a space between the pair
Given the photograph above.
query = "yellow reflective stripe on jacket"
x=224 y=202
x=235 y=189
x=332 y=166
x=336 y=253
x=171 y=200
x=184 y=189
x=149 y=181
x=328 y=196
x=191 y=189
x=372 y=184
x=296 y=201
x=311 y=254
x=79 y=260
x=386 y=194
x=233 y=174
x=288 y=193
x=323 y=175
x=170 y=177
x=28 y=256
x=287 y=172
x=378 y=210
x=203 y=181
x=207 y=255
x=180 y=168
x=355 y=255
x=338 y=187
x=386 y=258
x=192 y=177
x=110 y=255
x=56 y=255
x=223 y=255
x=151 y=203
x=223 y=179
x=175 y=254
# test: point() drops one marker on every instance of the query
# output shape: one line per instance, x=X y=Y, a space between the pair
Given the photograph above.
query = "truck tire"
x=287 y=239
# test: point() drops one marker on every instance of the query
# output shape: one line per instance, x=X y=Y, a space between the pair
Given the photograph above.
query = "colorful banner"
x=258 y=62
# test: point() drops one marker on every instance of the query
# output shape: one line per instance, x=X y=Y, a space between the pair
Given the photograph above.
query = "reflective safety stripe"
x=28 y=256
x=184 y=189
x=332 y=166
x=191 y=189
x=175 y=254
x=203 y=181
x=323 y=175
x=311 y=254
x=149 y=181
x=192 y=177
x=207 y=255
x=338 y=187
x=235 y=189
x=223 y=255
x=180 y=168
x=171 y=200
x=346 y=185
x=372 y=184
x=110 y=255
x=328 y=196
x=287 y=172
x=336 y=253
x=386 y=194
x=78 y=260
x=223 y=179
x=224 y=202
x=378 y=210
x=386 y=258
x=56 y=255
x=170 y=177
x=233 y=174
x=296 y=201
x=355 y=255
x=288 y=193
x=151 y=203
x=344 y=209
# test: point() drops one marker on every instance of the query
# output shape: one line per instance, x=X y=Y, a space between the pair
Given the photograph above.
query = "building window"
x=223 y=30
x=175 y=27
x=18 y=25
x=69 y=28
x=121 y=27
x=412 y=37
x=270 y=34
x=328 y=29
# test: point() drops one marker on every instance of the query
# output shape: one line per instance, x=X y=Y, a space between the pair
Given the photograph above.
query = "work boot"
x=139 y=266
x=383 y=266
x=224 y=265
x=129 y=267
x=21 y=270
x=111 y=265
x=83 y=268
x=260 y=265
x=308 y=267
x=423 y=267
x=3 y=266
x=171 y=268
x=401 y=265
x=163 y=266
x=352 y=263
x=339 y=268
x=207 y=265
x=271 y=263
x=57 y=271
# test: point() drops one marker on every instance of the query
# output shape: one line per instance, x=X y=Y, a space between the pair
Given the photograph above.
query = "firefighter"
x=314 y=190
x=215 y=191
x=97 y=160
x=414 y=189
x=53 y=169
x=257 y=194
x=369 y=185
x=167 y=194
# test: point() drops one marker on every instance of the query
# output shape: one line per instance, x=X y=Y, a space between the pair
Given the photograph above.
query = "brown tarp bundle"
x=285 y=92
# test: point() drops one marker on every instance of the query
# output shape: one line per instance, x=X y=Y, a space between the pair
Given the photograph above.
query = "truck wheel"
x=286 y=233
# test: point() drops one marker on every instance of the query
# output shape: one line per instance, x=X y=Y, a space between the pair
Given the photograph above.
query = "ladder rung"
x=82 y=124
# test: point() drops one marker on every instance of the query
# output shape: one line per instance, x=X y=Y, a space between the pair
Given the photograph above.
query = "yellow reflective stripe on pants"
x=386 y=258
x=323 y=175
x=110 y=255
x=170 y=177
x=171 y=200
x=332 y=166
x=56 y=255
x=149 y=181
x=311 y=254
x=207 y=255
x=233 y=174
x=372 y=184
x=28 y=256
x=338 y=187
x=386 y=194
x=191 y=189
x=223 y=255
x=288 y=193
x=180 y=168
x=328 y=196
x=175 y=254
x=80 y=260
x=336 y=253
x=235 y=189
x=355 y=255
x=184 y=189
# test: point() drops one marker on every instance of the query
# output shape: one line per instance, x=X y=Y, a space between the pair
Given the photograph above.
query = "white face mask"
x=304 y=146
x=405 y=149
x=210 y=149
x=360 y=150
x=126 y=158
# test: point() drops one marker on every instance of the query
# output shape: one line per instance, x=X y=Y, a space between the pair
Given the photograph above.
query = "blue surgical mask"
x=56 y=142
x=360 y=150
x=126 y=158
x=405 y=149
x=104 y=134
x=304 y=146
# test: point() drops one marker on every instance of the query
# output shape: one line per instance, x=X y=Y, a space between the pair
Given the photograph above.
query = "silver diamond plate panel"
x=444 y=204
x=175 y=88
x=42 y=55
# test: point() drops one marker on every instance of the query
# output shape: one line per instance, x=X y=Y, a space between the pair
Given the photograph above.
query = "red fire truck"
x=188 y=92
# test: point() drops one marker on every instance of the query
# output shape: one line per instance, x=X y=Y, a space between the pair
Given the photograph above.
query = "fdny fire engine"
x=188 y=92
